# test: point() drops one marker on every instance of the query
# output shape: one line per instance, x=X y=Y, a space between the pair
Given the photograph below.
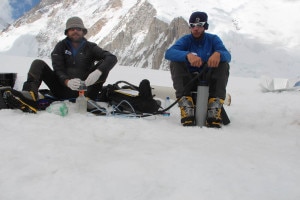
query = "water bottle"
x=58 y=108
x=81 y=102
x=167 y=104
x=201 y=103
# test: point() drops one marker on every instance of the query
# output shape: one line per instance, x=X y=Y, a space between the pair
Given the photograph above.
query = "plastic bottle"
x=58 y=107
x=81 y=102
x=167 y=104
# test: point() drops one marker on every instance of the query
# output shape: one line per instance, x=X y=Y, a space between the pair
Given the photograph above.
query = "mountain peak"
x=139 y=31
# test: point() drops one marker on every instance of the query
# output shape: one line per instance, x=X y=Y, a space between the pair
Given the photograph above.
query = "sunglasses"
x=75 y=28
x=199 y=24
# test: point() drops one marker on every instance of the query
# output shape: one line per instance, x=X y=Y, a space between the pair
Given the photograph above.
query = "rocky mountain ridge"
x=138 y=38
x=260 y=39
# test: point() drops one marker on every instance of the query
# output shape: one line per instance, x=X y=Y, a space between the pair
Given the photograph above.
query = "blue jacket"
x=203 y=47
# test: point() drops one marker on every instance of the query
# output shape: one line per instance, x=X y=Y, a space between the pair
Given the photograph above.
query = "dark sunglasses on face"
x=199 y=24
x=75 y=28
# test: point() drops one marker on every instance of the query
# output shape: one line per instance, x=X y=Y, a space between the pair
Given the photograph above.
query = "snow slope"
x=46 y=156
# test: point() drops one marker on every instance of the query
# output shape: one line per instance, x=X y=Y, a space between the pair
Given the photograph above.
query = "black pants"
x=217 y=79
x=39 y=71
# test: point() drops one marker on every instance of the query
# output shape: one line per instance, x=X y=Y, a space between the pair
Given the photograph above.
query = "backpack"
x=129 y=98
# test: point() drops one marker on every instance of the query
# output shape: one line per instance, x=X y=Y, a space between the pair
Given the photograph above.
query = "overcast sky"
x=13 y=9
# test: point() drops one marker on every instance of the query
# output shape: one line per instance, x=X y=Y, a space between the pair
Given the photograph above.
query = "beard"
x=75 y=37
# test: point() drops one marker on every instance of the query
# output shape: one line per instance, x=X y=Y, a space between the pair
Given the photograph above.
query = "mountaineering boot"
x=186 y=106
x=32 y=87
x=3 y=104
x=214 y=118
x=25 y=100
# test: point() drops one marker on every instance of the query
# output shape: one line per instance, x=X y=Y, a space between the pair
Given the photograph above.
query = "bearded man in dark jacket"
x=75 y=61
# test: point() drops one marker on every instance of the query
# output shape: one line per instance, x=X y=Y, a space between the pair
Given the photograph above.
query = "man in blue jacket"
x=189 y=55
x=74 y=60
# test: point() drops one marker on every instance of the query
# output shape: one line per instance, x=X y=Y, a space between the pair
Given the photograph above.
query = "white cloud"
x=6 y=11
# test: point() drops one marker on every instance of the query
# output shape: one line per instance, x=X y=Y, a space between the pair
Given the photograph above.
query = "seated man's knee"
x=174 y=64
x=224 y=65
x=38 y=62
x=37 y=65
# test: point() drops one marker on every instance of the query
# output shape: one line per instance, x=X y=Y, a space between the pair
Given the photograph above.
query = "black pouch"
x=130 y=98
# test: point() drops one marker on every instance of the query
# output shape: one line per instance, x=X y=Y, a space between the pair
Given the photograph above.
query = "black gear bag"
x=129 y=98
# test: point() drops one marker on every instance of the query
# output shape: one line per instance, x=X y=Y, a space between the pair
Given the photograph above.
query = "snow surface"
x=46 y=156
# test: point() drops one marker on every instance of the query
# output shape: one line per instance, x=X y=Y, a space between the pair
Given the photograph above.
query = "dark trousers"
x=216 y=78
x=39 y=71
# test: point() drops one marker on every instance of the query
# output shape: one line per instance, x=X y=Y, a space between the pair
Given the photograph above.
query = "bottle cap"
x=81 y=92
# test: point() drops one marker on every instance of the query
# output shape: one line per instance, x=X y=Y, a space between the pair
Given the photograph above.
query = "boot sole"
x=16 y=102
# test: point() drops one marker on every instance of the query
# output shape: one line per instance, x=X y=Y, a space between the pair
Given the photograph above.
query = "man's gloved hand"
x=93 y=77
x=74 y=83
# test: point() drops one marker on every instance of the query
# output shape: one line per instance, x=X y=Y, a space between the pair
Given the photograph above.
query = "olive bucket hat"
x=75 y=22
